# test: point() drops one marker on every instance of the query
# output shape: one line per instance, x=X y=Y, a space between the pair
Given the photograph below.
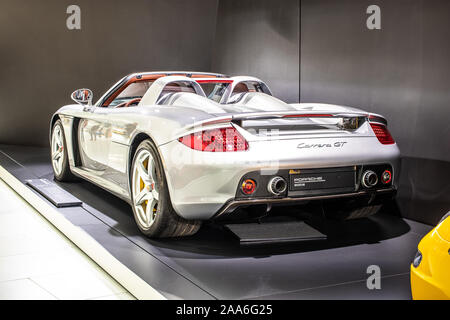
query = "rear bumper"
x=233 y=204
x=203 y=185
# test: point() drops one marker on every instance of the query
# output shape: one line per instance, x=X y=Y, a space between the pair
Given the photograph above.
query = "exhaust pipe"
x=277 y=186
x=369 y=179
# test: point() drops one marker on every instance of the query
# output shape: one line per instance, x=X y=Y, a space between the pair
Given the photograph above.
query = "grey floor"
x=38 y=262
x=212 y=265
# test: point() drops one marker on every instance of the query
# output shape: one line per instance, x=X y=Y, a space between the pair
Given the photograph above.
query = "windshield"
x=134 y=90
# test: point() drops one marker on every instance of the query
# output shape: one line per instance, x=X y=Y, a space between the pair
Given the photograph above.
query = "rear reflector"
x=386 y=177
x=248 y=186
x=382 y=133
x=216 y=140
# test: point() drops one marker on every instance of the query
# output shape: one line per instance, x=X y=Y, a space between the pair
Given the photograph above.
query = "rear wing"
x=238 y=118
x=295 y=114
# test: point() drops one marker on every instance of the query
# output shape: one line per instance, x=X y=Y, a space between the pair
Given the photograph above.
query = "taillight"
x=216 y=140
x=382 y=133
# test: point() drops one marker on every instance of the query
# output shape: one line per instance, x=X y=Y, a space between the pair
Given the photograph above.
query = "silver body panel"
x=99 y=143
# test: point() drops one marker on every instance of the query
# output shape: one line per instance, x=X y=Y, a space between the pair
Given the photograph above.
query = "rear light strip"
x=216 y=140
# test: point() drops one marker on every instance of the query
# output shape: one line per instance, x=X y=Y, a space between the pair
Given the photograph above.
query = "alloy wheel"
x=57 y=150
x=145 y=193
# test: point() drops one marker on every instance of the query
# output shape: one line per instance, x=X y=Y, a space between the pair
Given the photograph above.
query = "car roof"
x=213 y=80
x=189 y=74
x=152 y=75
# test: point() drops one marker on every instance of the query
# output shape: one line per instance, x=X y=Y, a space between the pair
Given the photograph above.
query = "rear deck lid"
x=306 y=125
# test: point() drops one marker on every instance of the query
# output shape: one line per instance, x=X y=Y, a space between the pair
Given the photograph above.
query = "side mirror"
x=82 y=96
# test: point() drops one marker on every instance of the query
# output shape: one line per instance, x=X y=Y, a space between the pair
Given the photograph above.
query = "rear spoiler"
x=238 y=118
x=295 y=114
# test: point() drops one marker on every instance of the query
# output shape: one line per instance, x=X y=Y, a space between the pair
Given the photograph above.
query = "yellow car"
x=430 y=270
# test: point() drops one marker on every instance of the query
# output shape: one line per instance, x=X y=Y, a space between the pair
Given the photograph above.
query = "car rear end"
x=279 y=157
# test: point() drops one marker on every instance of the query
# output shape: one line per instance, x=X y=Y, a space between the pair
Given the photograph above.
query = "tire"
x=58 y=154
x=150 y=200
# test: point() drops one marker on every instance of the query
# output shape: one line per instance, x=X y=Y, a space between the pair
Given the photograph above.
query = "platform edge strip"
x=122 y=274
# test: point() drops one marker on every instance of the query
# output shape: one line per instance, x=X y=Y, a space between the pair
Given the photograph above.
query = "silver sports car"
x=182 y=147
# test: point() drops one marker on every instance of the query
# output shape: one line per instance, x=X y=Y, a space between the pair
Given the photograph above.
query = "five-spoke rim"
x=57 y=150
x=144 y=188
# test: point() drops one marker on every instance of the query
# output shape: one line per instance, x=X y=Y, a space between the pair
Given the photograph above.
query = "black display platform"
x=59 y=197
x=212 y=264
x=252 y=233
